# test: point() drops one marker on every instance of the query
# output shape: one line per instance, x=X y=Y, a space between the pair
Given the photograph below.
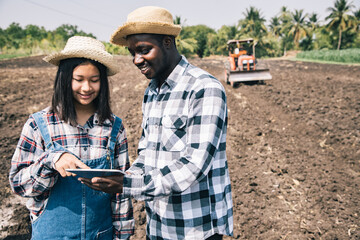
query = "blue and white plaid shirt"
x=181 y=171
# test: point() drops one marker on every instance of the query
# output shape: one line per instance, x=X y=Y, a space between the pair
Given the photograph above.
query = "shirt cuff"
x=133 y=185
x=53 y=158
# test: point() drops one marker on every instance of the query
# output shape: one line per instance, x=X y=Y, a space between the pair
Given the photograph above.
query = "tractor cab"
x=240 y=55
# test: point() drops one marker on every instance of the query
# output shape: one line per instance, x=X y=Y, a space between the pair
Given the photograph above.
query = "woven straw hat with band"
x=149 y=19
x=85 y=47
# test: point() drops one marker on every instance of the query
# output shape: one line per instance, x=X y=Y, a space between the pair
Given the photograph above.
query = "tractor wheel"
x=226 y=76
x=234 y=84
x=227 y=72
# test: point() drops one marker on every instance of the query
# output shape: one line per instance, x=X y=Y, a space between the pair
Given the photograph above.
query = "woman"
x=78 y=130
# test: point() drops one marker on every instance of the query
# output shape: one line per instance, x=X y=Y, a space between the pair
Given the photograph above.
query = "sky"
x=102 y=18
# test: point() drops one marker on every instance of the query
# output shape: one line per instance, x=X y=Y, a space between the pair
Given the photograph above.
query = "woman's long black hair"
x=63 y=100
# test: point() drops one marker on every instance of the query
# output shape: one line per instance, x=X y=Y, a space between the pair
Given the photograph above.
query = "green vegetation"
x=115 y=49
x=286 y=31
x=16 y=41
x=341 y=56
x=7 y=56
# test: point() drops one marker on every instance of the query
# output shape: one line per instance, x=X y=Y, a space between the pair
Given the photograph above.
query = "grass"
x=346 y=56
x=12 y=55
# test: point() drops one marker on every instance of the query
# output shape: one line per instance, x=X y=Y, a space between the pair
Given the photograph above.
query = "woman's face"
x=85 y=84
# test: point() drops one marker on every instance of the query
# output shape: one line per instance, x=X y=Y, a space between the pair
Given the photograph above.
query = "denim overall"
x=73 y=210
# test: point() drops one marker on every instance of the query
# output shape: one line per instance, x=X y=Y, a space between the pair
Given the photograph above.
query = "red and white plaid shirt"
x=32 y=172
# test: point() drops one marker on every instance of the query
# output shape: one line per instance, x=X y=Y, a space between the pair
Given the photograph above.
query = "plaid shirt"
x=181 y=171
x=32 y=172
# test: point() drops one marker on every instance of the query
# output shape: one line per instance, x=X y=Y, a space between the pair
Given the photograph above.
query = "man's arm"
x=122 y=210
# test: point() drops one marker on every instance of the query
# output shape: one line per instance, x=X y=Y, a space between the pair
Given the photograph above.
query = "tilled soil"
x=293 y=145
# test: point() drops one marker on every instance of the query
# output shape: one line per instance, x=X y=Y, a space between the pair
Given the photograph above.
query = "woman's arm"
x=32 y=170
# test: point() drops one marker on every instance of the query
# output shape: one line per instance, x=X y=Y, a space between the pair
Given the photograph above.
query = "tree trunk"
x=254 y=49
x=339 y=43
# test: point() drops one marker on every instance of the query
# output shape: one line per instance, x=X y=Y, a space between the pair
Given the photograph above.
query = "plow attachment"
x=244 y=76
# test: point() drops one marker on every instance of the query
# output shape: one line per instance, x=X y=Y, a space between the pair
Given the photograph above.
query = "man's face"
x=149 y=56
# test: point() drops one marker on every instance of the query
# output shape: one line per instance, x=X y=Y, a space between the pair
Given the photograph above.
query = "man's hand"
x=110 y=184
x=66 y=161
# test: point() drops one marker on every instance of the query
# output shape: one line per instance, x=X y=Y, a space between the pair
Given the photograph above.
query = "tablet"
x=90 y=173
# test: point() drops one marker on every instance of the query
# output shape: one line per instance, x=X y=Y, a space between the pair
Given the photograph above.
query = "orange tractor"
x=242 y=64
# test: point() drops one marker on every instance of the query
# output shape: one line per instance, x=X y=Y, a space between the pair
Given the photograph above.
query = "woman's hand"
x=66 y=161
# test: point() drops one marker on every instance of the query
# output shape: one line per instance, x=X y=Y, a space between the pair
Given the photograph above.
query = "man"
x=181 y=171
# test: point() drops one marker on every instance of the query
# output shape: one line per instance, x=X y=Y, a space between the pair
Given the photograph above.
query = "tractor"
x=241 y=65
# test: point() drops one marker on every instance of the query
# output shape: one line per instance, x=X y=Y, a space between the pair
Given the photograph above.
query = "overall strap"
x=39 y=119
x=114 y=132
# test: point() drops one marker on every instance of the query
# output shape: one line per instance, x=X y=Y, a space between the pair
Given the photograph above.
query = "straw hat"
x=149 y=19
x=85 y=47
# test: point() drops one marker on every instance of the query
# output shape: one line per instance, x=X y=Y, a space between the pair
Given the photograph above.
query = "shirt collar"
x=94 y=121
x=173 y=78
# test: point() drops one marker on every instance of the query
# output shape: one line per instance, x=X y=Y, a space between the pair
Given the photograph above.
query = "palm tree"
x=357 y=19
x=298 y=29
x=184 y=45
x=313 y=22
x=285 y=19
x=224 y=34
x=231 y=31
x=253 y=26
x=275 y=26
x=178 y=21
x=339 y=18
x=285 y=15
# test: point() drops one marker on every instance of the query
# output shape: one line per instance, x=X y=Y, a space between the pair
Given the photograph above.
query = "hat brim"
x=130 y=28
x=104 y=58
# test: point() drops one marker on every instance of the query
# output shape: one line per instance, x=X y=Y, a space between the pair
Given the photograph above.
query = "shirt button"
x=85 y=148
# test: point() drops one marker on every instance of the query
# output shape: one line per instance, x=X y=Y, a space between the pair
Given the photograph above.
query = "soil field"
x=293 y=145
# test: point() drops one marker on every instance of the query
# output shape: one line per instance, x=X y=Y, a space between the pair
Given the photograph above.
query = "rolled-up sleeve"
x=122 y=210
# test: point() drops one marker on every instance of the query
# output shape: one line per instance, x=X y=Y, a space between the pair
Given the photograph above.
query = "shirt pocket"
x=173 y=137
